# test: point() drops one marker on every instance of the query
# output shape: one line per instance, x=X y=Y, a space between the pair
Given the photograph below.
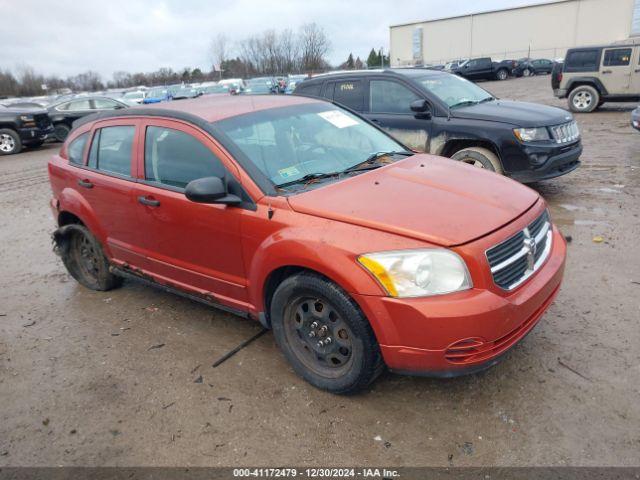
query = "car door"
x=348 y=92
x=616 y=70
x=188 y=245
x=469 y=69
x=634 y=89
x=106 y=183
x=389 y=108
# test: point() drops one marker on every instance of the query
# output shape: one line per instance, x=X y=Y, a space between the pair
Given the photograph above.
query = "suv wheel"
x=583 y=99
x=324 y=335
x=61 y=131
x=502 y=74
x=479 y=157
x=9 y=142
x=83 y=256
x=527 y=72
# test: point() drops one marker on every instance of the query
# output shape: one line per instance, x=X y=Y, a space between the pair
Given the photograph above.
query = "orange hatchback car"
x=357 y=252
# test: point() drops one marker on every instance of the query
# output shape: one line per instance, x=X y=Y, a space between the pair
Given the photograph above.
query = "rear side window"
x=76 y=148
x=79 y=105
x=582 y=61
x=350 y=94
x=328 y=90
x=618 y=57
x=174 y=158
x=111 y=149
x=390 y=97
x=311 y=90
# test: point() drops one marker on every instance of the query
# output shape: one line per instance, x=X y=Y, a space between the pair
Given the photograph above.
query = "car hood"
x=520 y=114
x=425 y=197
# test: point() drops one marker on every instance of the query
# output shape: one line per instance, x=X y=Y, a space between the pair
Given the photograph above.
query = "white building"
x=544 y=30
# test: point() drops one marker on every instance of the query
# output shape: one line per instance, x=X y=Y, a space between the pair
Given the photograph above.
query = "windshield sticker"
x=338 y=119
x=289 y=172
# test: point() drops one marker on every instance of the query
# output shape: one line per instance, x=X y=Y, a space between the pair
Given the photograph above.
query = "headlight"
x=531 y=134
x=418 y=273
x=26 y=118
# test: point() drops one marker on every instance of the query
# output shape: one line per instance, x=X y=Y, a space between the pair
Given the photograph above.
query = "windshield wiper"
x=375 y=156
x=308 y=177
x=488 y=99
x=464 y=104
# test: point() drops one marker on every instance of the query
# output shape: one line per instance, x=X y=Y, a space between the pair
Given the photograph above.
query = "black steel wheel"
x=324 y=335
x=83 y=256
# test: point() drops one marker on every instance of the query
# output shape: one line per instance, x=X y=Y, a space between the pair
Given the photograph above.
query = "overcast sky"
x=67 y=37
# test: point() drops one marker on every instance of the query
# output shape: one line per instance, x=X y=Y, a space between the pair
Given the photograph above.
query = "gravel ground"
x=81 y=384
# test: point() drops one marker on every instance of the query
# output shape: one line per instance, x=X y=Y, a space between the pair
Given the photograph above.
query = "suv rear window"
x=582 y=61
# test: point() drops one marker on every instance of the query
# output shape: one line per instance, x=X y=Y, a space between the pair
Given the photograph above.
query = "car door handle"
x=607 y=71
x=375 y=120
x=85 y=183
x=150 y=202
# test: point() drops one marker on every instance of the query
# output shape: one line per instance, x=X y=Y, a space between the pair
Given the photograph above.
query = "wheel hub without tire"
x=318 y=336
x=7 y=143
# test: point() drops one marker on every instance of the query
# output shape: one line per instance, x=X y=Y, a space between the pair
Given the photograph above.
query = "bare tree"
x=218 y=52
x=314 y=45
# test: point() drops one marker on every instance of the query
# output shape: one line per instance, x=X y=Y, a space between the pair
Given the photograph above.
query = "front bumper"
x=426 y=336
x=34 y=133
x=549 y=162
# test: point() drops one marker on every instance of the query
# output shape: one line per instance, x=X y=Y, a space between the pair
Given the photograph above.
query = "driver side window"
x=174 y=158
x=390 y=97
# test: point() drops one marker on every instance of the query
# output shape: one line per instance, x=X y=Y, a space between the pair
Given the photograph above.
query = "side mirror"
x=210 y=190
x=421 y=108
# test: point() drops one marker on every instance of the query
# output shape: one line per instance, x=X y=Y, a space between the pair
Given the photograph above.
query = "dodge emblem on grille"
x=531 y=246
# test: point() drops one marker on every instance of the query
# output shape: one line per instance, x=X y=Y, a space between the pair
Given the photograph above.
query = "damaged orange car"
x=357 y=252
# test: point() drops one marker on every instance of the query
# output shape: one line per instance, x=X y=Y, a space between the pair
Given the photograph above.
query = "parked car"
x=133 y=97
x=591 y=76
x=302 y=215
x=441 y=113
x=236 y=85
x=22 y=127
x=157 y=95
x=292 y=81
x=448 y=67
x=635 y=118
x=209 y=89
x=260 y=86
x=185 y=93
x=527 y=67
x=485 y=69
x=63 y=114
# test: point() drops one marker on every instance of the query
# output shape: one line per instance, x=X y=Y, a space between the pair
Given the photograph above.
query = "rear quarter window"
x=76 y=149
x=310 y=90
x=582 y=61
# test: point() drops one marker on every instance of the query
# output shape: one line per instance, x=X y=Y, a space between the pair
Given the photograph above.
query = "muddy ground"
x=80 y=383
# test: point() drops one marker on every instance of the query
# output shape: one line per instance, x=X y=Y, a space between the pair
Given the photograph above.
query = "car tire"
x=10 y=142
x=583 y=99
x=502 y=74
x=61 y=131
x=479 y=157
x=527 y=72
x=307 y=308
x=84 y=258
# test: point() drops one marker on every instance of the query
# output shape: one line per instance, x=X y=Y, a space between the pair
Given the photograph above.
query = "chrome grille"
x=519 y=256
x=565 y=133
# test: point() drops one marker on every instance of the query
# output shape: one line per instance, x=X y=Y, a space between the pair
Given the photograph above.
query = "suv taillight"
x=559 y=76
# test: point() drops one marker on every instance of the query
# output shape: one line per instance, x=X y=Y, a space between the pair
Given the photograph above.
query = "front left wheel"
x=9 y=142
x=324 y=335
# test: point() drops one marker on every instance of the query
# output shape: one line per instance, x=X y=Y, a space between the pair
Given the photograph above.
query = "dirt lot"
x=80 y=383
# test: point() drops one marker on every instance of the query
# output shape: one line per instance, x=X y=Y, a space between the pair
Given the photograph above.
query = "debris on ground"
x=153 y=347
x=231 y=353
x=598 y=239
x=73 y=432
x=571 y=369
x=224 y=399
x=377 y=438
x=568 y=238
x=195 y=369
x=164 y=407
x=387 y=444
x=198 y=380
x=45 y=422
x=29 y=324
x=152 y=309
x=467 y=448
x=115 y=334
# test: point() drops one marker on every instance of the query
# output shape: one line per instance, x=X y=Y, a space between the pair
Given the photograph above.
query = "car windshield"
x=454 y=91
x=289 y=143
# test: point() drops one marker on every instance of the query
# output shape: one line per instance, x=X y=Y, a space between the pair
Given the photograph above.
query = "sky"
x=67 y=37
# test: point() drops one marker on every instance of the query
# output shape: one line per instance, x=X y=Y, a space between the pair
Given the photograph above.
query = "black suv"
x=445 y=114
x=22 y=127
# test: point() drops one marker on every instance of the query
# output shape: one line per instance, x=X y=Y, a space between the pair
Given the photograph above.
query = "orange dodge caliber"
x=358 y=253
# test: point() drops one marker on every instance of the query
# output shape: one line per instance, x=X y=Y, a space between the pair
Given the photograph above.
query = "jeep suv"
x=440 y=113
x=591 y=76
x=301 y=215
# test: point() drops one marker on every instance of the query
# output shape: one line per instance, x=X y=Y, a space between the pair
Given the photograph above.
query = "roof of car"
x=209 y=108
x=409 y=72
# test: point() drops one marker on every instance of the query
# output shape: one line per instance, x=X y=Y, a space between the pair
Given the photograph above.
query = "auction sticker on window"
x=288 y=172
x=338 y=119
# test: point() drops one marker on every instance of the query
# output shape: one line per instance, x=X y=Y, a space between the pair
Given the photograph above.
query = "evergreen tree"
x=350 y=63
x=373 y=60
